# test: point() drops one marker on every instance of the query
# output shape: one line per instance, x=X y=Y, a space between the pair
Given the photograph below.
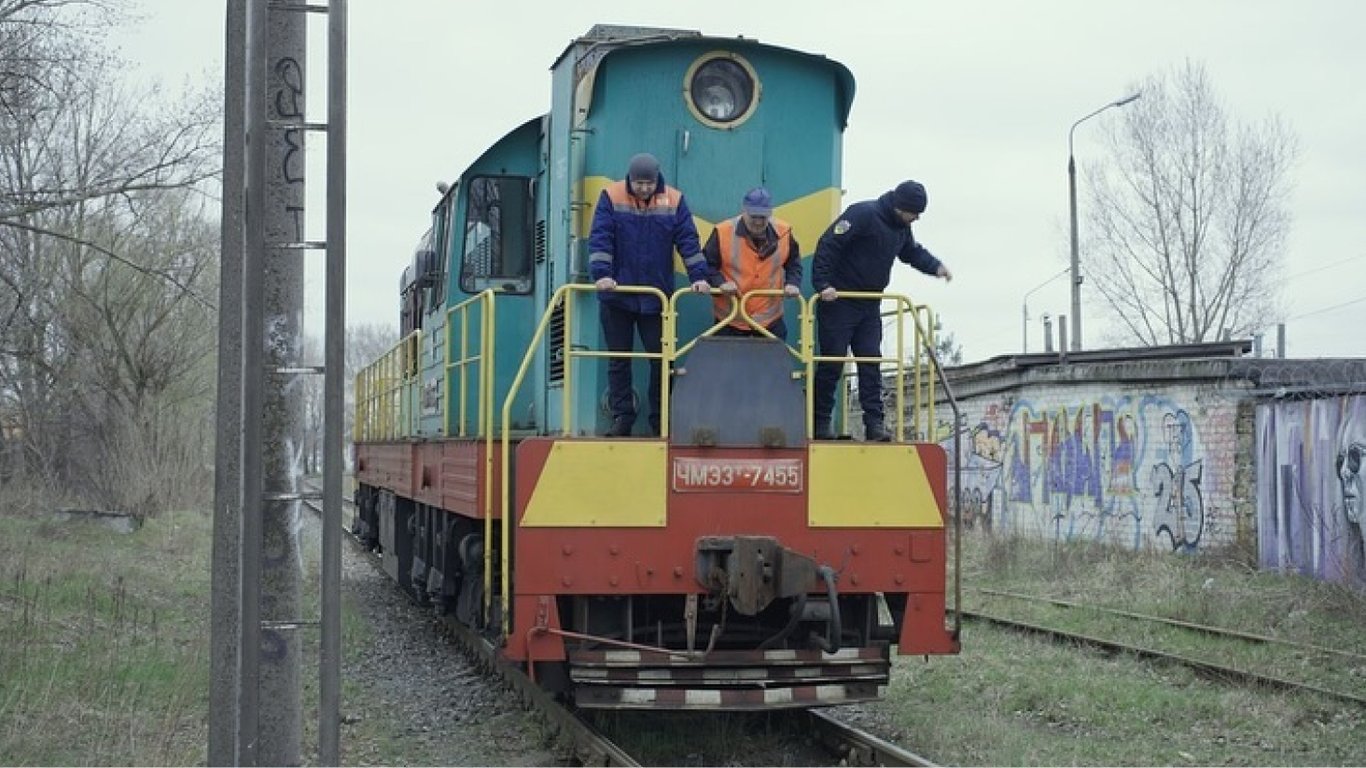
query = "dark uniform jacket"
x=633 y=240
x=856 y=251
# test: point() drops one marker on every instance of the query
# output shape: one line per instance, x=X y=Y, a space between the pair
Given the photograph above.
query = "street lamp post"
x=1024 y=311
x=1072 y=209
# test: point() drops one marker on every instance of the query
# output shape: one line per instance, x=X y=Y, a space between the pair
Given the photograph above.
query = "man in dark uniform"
x=856 y=254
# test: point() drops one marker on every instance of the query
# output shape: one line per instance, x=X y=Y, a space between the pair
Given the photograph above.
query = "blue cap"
x=757 y=202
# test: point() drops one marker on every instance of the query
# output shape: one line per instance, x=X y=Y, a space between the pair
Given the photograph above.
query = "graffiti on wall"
x=1127 y=469
x=1310 y=487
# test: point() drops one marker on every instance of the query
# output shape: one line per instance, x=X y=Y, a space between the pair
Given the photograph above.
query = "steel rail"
x=854 y=746
x=590 y=746
x=1194 y=627
x=1217 y=671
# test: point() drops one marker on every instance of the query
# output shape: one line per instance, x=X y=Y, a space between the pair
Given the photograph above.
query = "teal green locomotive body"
x=731 y=563
x=517 y=220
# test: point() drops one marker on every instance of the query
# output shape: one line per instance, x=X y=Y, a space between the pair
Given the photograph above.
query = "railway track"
x=1211 y=669
x=852 y=746
x=1189 y=625
x=587 y=745
x=590 y=747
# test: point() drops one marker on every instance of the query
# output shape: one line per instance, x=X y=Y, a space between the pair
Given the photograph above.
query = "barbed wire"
x=1302 y=379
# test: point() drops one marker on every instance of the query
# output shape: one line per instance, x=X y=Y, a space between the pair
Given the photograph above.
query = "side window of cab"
x=497 y=242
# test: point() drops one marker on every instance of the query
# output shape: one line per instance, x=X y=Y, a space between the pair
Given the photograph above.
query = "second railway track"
x=1198 y=661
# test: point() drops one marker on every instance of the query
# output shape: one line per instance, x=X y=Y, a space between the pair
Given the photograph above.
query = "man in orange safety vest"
x=752 y=251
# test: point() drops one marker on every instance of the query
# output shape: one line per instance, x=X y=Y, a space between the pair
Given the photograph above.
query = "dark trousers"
x=618 y=327
x=842 y=325
x=777 y=328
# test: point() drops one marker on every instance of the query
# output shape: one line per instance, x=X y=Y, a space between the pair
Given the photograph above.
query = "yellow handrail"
x=379 y=391
x=737 y=309
x=483 y=358
x=505 y=453
x=924 y=372
x=672 y=330
x=486 y=419
x=902 y=306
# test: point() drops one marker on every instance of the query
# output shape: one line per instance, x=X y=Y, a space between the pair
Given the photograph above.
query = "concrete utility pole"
x=225 y=690
x=281 y=702
x=255 y=703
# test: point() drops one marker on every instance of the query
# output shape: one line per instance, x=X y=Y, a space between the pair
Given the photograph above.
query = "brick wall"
x=1166 y=449
x=1153 y=455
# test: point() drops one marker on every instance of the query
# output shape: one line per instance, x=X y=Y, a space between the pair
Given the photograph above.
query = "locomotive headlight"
x=717 y=102
x=722 y=90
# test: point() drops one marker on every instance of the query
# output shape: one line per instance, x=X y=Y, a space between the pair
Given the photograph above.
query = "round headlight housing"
x=721 y=89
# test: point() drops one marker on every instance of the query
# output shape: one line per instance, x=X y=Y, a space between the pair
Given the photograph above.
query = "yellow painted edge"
x=869 y=486
x=601 y=483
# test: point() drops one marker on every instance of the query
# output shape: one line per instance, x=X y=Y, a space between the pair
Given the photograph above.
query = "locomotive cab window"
x=497 y=244
x=721 y=89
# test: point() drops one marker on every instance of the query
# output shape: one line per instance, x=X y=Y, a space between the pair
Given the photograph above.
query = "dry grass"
x=106 y=642
x=1217 y=590
x=1011 y=699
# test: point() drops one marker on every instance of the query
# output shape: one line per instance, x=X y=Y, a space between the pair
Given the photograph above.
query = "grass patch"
x=105 y=640
x=1212 y=590
x=1013 y=699
x=1010 y=699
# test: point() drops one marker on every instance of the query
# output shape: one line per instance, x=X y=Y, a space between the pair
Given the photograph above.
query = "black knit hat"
x=643 y=167
x=910 y=196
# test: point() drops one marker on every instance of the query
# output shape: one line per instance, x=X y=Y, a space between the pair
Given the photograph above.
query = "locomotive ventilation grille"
x=556 y=332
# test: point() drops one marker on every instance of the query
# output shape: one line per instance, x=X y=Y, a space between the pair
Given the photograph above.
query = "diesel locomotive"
x=730 y=561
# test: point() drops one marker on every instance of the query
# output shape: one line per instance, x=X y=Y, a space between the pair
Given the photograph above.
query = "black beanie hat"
x=643 y=167
x=910 y=196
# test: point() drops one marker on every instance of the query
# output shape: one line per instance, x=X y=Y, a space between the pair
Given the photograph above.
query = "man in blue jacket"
x=637 y=225
x=856 y=254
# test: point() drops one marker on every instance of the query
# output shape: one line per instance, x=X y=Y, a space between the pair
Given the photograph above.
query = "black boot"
x=876 y=433
x=823 y=431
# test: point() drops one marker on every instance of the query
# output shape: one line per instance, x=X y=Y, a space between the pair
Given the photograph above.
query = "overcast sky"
x=974 y=99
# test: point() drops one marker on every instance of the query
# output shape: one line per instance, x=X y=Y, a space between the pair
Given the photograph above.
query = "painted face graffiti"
x=1349 y=474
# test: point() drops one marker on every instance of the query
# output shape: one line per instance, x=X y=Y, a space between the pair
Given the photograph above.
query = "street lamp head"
x=1127 y=99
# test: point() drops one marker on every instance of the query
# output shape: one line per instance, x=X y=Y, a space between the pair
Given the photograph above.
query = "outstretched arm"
x=919 y=257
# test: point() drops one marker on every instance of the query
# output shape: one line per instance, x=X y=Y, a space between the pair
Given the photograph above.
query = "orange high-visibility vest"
x=664 y=202
x=741 y=264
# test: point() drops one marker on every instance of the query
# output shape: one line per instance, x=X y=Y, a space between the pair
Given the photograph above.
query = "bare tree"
x=364 y=344
x=1188 y=220
x=146 y=385
x=42 y=38
x=106 y=257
